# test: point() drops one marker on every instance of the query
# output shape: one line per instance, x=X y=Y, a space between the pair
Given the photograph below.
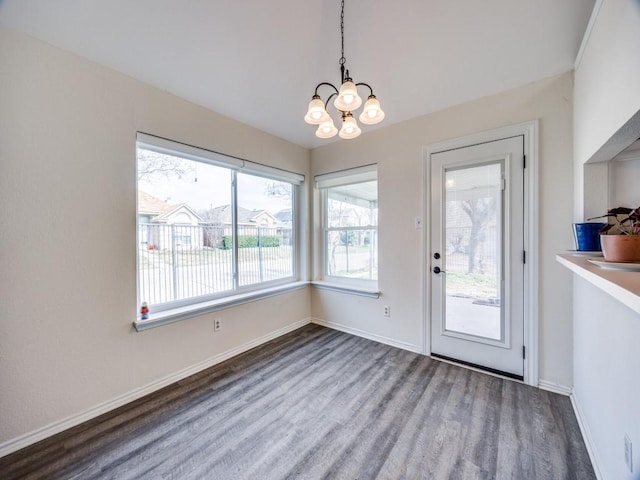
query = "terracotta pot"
x=621 y=248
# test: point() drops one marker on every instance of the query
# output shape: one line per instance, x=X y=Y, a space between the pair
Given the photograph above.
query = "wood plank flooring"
x=322 y=404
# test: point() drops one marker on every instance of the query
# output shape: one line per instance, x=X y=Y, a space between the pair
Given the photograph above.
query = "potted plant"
x=620 y=238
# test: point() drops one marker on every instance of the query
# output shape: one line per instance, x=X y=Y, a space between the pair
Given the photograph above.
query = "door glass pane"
x=473 y=254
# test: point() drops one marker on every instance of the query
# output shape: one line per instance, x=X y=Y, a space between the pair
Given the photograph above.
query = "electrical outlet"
x=387 y=311
x=628 y=452
x=217 y=324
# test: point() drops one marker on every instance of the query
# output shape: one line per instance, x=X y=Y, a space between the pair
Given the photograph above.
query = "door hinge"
x=524 y=256
x=523 y=352
x=524 y=161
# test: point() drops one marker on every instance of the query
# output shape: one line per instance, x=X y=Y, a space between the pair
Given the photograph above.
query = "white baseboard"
x=56 y=427
x=588 y=438
x=555 y=387
x=367 y=335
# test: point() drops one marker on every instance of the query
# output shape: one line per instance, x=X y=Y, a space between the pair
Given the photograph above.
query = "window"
x=208 y=225
x=350 y=224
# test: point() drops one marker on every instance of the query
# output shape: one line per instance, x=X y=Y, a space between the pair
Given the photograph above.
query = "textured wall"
x=606 y=378
x=67 y=237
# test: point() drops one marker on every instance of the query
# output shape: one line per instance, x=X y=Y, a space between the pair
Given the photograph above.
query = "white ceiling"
x=258 y=61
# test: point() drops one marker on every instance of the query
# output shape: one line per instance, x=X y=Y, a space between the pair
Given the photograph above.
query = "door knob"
x=437 y=270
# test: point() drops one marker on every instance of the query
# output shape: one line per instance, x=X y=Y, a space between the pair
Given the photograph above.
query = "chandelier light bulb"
x=348 y=99
x=349 y=128
x=315 y=112
x=326 y=129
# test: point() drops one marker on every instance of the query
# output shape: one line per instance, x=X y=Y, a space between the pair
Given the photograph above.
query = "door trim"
x=529 y=130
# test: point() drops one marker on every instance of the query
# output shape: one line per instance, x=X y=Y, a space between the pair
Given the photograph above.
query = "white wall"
x=607 y=120
x=607 y=376
x=624 y=190
x=398 y=152
x=67 y=237
x=606 y=82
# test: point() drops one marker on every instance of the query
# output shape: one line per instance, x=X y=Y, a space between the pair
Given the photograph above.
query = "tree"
x=278 y=189
x=153 y=165
x=479 y=211
x=213 y=227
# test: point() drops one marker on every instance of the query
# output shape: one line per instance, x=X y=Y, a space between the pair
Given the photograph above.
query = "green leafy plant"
x=629 y=224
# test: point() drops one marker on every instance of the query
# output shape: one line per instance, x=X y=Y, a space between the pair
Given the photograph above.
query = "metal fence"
x=352 y=252
x=177 y=262
x=459 y=251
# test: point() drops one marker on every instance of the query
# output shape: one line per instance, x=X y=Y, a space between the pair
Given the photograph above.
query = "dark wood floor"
x=318 y=403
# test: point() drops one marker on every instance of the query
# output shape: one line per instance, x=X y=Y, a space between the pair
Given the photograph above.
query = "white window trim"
x=356 y=286
x=173 y=315
x=343 y=288
x=187 y=308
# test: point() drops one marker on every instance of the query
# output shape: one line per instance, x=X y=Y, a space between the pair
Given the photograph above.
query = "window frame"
x=324 y=182
x=167 y=312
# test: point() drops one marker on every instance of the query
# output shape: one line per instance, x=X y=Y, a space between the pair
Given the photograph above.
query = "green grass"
x=359 y=262
x=473 y=285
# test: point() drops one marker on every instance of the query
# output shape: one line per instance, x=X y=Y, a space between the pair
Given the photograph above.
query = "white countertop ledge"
x=621 y=285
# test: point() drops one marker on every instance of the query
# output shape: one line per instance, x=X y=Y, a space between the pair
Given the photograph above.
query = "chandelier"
x=346 y=102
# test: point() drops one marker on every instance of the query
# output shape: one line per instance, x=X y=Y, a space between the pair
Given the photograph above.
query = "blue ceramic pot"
x=587 y=236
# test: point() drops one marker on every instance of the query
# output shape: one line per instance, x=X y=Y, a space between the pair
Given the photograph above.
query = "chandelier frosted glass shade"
x=372 y=113
x=326 y=129
x=316 y=111
x=349 y=128
x=348 y=99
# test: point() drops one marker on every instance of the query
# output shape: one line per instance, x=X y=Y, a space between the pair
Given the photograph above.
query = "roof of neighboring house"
x=150 y=205
x=176 y=209
x=222 y=214
x=283 y=215
x=159 y=210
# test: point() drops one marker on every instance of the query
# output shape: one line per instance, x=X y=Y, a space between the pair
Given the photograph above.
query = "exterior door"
x=477 y=255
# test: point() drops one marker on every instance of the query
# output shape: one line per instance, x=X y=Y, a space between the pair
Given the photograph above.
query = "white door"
x=477 y=255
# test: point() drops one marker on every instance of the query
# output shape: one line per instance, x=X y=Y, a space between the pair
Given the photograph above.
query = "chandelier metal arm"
x=329 y=85
x=329 y=99
x=366 y=85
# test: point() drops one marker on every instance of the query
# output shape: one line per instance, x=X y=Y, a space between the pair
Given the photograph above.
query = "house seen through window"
x=207 y=229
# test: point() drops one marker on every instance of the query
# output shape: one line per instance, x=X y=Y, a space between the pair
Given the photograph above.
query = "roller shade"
x=177 y=149
x=350 y=176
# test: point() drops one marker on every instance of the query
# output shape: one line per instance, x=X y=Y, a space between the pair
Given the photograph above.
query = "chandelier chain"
x=342 y=59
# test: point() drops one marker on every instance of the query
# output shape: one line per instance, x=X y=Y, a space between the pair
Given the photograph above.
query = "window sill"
x=177 y=314
x=335 y=287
